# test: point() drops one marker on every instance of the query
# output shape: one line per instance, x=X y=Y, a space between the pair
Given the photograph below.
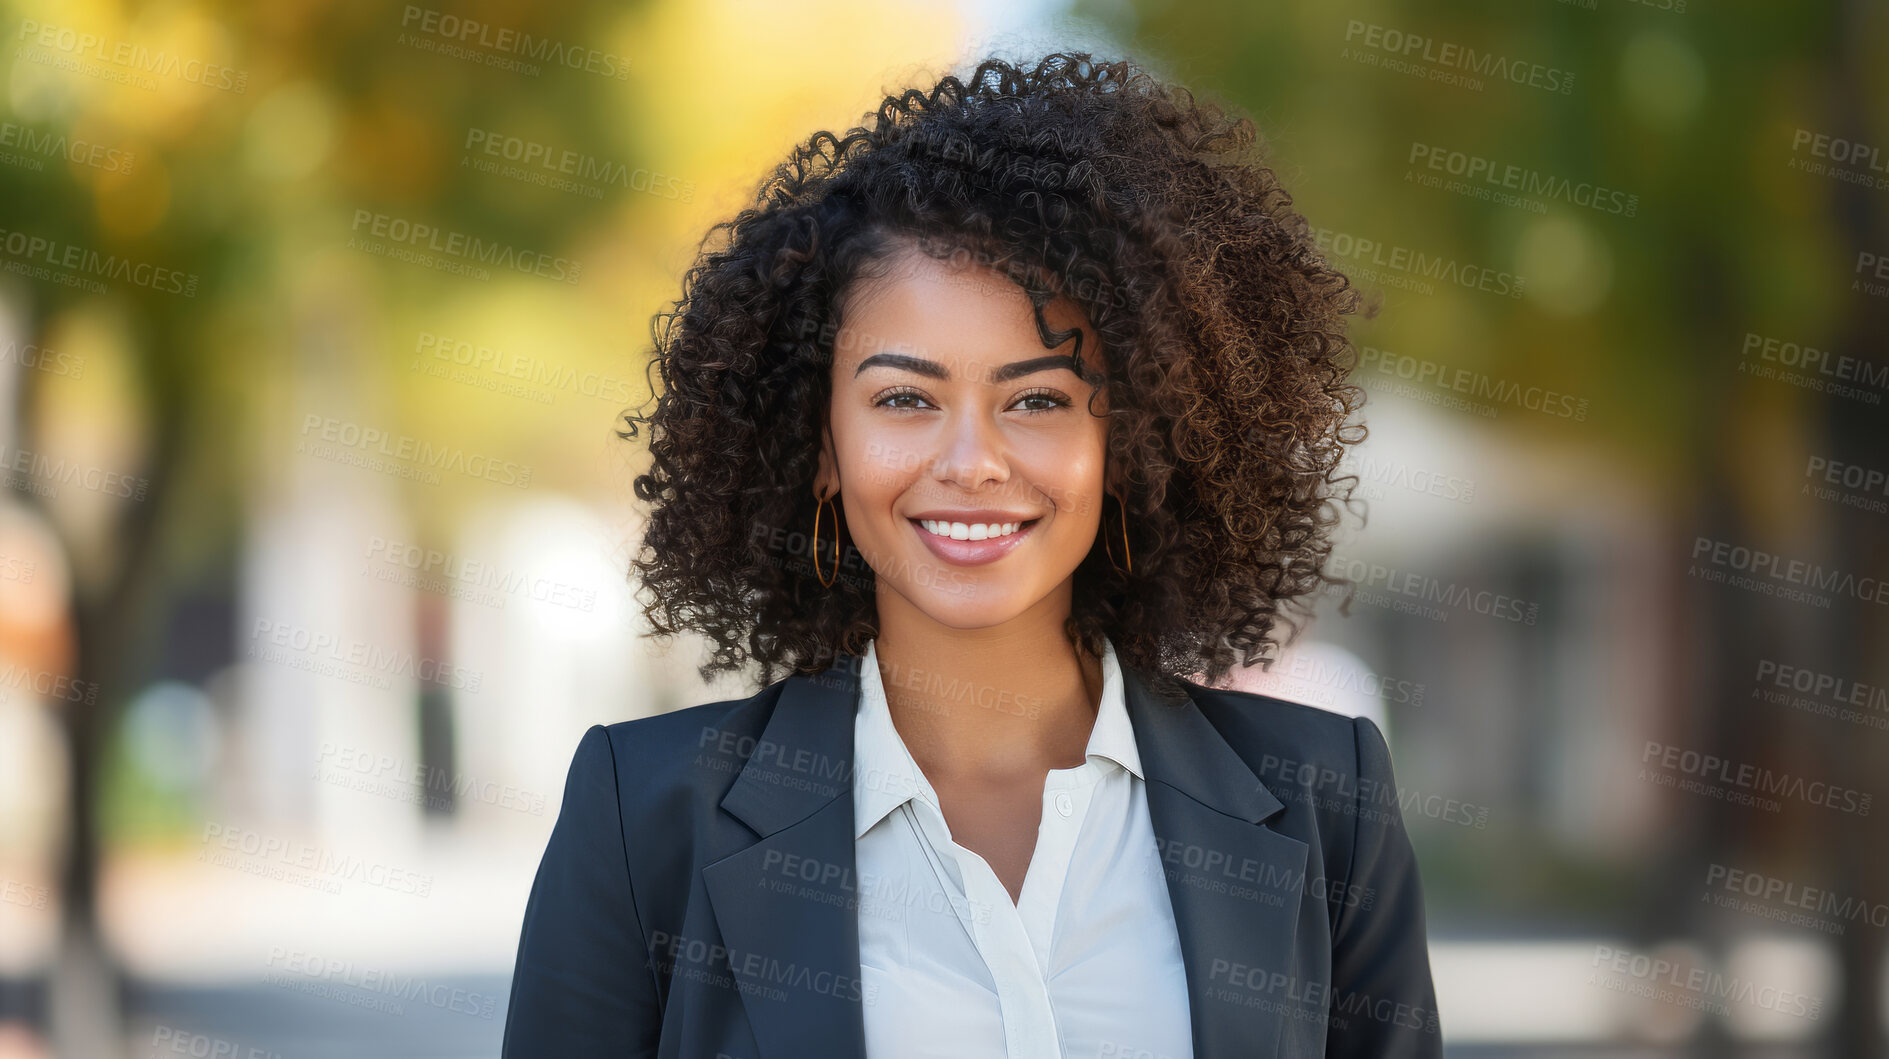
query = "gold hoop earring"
x=825 y=502
x=1125 y=552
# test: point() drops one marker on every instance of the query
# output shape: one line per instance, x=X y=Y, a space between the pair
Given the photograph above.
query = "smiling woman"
x=1046 y=356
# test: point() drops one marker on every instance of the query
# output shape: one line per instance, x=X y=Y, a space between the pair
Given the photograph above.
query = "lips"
x=972 y=552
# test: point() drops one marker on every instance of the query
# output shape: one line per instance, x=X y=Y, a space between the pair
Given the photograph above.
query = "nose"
x=971 y=452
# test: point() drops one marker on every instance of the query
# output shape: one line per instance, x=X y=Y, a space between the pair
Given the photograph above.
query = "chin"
x=963 y=609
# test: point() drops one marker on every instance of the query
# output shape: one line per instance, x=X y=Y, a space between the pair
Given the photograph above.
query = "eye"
x=887 y=398
x=1055 y=400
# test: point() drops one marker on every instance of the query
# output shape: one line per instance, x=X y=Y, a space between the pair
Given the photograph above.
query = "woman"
x=990 y=423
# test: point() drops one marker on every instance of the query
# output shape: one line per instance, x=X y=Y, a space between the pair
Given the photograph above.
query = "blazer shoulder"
x=691 y=746
x=668 y=773
x=1278 y=738
x=1332 y=767
x=1337 y=765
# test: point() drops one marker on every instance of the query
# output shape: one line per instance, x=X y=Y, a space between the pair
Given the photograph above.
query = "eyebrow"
x=934 y=370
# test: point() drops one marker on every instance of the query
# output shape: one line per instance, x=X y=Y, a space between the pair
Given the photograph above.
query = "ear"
x=826 y=480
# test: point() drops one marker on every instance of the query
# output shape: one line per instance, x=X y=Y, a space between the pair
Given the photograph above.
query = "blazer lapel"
x=1235 y=883
x=787 y=905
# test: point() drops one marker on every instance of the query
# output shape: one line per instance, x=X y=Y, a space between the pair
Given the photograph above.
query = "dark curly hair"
x=1221 y=330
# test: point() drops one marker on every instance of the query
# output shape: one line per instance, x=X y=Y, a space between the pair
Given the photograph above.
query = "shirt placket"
x=1067 y=795
x=1014 y=939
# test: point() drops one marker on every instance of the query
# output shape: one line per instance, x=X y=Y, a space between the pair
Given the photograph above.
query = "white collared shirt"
x=1086 y=963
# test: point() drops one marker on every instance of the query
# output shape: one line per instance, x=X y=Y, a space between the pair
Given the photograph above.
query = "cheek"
x=878 y=471
x=874 y=468
x=1072 y=478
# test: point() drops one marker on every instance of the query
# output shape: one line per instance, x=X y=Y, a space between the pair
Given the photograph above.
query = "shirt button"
x=1065 y=804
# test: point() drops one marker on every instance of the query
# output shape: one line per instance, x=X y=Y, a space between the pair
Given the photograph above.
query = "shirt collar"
x=885 y=776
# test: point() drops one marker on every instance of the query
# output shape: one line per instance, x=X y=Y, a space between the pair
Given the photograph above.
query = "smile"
x=972 y=543
x=976 y=531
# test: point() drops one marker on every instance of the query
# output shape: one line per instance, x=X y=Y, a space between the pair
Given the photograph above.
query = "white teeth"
x=979 y=531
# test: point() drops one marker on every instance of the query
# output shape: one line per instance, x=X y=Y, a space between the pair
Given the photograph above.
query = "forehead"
x=962 y=314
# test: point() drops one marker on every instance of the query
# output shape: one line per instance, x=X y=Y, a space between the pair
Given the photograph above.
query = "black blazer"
x=696 y=897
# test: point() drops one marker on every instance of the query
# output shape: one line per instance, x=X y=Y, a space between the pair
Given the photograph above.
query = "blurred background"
x=316 y=321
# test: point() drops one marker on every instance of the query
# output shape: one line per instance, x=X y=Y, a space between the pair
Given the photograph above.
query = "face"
x=968 y=462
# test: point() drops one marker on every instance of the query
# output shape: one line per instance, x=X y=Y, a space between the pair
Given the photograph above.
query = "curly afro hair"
x=1221 y=330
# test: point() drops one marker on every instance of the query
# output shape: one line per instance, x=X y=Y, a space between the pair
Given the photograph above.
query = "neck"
x=993 y=704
